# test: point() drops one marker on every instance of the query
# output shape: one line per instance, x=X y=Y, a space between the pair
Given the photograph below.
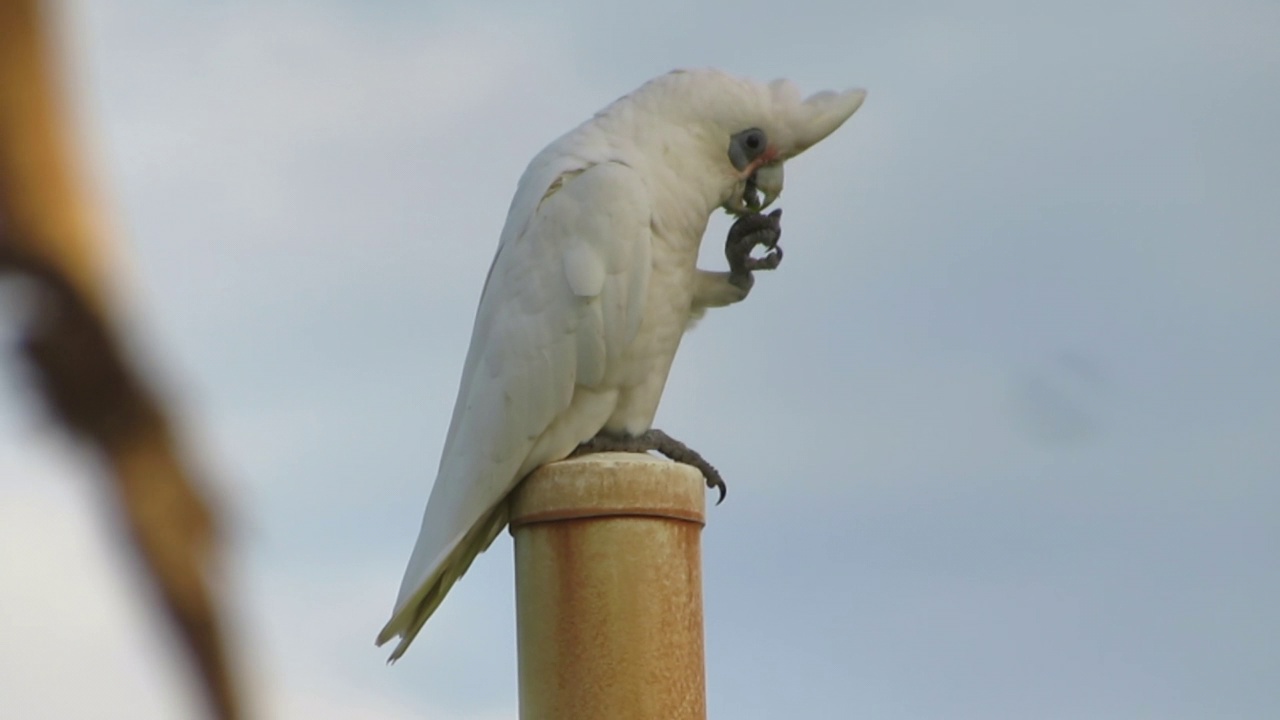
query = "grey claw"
x=749 y=232
x=718 y=484
x=655 y=439
x=768 y=261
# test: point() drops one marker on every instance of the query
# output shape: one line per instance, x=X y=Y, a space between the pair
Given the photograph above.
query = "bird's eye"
x=747 y=146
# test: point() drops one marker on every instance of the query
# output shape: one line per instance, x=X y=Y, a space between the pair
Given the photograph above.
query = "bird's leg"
x=748 y=232
x=655 y=440
x=717 y=289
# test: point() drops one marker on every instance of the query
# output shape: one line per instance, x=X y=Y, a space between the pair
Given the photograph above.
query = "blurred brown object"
x=48 y=235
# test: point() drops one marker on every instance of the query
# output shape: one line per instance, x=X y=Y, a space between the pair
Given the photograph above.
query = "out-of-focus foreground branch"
x=49 y=236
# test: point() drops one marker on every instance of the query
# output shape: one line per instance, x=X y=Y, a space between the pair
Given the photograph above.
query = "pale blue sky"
x=1015 y=384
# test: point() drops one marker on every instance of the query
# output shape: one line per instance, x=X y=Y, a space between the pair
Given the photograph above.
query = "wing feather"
x=564 y=297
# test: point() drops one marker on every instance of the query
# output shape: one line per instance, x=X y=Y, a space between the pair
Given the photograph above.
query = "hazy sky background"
x=1014 y=443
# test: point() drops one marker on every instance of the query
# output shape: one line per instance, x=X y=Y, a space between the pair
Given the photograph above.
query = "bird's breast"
x=641 y=372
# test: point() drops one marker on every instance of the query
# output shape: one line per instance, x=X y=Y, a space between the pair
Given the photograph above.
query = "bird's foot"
x=749 y=232
x=661 y=442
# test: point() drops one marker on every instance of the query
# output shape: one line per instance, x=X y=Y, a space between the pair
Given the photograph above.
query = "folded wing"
x=564 y=298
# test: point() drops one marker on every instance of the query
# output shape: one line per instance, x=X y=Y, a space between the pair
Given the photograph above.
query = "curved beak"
x=768 y=180
x=760 y=189
x=762 y=186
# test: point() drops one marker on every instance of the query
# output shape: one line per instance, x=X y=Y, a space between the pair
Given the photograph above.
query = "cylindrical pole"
x=609 y=590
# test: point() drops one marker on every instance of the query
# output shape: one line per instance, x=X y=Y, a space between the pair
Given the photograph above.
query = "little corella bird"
x=594 y=283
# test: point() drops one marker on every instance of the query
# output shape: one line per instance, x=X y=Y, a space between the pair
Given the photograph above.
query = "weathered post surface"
x=609 y=590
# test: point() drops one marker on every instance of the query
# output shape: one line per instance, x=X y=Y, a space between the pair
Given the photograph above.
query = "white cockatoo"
x=594 y=283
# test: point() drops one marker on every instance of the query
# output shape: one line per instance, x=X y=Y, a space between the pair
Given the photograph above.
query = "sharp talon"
x=663 y=443
x=749 y=232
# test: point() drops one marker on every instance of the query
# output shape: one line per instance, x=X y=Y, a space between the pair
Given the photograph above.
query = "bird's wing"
x=563 y=299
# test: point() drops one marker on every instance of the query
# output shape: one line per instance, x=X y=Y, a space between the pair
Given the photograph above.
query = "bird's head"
x=746 y=130
x=757 y=152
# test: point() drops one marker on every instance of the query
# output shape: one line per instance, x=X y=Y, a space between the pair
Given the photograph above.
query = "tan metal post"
x=609 y=590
